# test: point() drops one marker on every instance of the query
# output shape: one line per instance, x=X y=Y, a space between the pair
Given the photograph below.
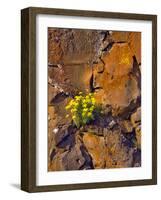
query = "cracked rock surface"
x=107 y=63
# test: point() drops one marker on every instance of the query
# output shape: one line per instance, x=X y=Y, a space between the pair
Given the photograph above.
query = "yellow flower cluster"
x=82 y=108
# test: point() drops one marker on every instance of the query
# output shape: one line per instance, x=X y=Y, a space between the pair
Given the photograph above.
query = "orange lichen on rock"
x=96 y=148
x=118 y=86
x=118 y=61
x=132 y=38
x=106 y=64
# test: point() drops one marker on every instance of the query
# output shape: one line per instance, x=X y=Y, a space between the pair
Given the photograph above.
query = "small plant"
x=83 y=109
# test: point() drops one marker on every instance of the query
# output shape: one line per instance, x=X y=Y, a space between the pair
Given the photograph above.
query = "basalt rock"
x=107 y=63
x=64 y=137
x=96 y=148
x=79 y=76
x=110 y=151
x=73 y=46
x=133 y=39
x=119 y=154
x=138 y=136
x=126 y=126
x=116 y=85
x=56 y=120
x=136 y=117
x=75 y=158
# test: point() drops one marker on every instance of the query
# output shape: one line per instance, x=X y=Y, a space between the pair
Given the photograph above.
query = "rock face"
x=108 y=64
x=69 y=153
x=71 y=46
x=136 y=122
x=113 y=150
x=133 y=39
x=96 y=148
x=118 y=84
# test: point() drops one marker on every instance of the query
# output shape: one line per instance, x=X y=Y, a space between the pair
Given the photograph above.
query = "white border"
x=43 y=177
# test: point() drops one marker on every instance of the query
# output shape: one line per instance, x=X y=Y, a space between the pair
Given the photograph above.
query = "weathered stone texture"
x=108 y=64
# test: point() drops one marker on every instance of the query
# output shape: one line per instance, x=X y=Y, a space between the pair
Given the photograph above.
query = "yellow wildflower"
x=74 y=117
x=85 y=109
x=77 y=98
x=84 y=101
x=93 y=100
x=71 y=102
x=89 y=114
x=84 y=105
x=75 y=104
x=73 y=110
x=91 y=108
x=67 y=107
x=82 y=108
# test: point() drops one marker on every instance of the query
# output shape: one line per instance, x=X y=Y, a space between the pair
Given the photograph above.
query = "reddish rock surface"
x=118 y=153
x=108 y=64
x=110 y=150
x=133 y=39
x=96 y=148
x=72 y=46
x=118 y=85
